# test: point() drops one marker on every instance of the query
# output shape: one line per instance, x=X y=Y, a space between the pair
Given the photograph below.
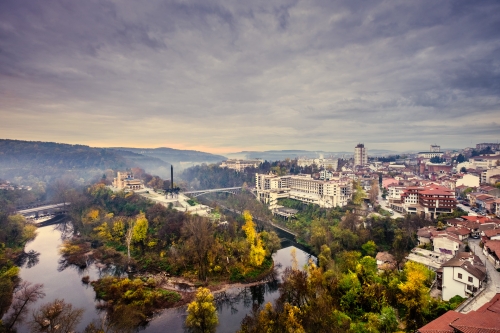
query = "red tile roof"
x=485 y=320
x=442 y=324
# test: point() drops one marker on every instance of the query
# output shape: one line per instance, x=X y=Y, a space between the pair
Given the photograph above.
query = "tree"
x=369 y=248
x=199 y=235
x=257 y=252
x=373 y=192
x=460 y=158
x=56 y=317
x=358 y=194
x=463 y=170
x=25 y=294
x=140 y=230
x=202 y=314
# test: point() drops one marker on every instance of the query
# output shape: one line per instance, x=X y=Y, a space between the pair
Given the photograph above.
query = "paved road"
x=493 y=285
x=383 y=203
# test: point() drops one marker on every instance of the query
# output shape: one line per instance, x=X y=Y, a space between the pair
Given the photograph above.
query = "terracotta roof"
x=458 y=231
x=385 y=257
x=478 y=322
x=487 y=226
x=493 y=245
x=442 y=324
x=492 y=232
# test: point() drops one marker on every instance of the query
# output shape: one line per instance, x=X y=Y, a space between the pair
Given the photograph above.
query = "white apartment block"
x=485 y=161
x=322 y=163
x=360 y=156
x=240 y=165
x=327 y=194
x=485 y=175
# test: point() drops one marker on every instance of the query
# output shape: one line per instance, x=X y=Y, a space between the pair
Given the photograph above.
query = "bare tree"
x=199 y=233
x=373 y=192
x=128 y=238
x=25 y=294
x=56 y=317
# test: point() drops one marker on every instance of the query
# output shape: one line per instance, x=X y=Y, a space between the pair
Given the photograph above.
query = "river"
x=66 y=283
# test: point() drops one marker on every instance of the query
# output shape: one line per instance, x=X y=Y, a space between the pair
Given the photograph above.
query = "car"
x=466 y=204
x=475 y=236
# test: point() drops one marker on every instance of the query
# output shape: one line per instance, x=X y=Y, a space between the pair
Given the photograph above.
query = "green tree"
x=369 y=248
x=358 y=193
x=202 y=314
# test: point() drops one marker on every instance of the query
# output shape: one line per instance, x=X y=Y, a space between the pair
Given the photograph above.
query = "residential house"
x=385 y=261
x=462 y=275
x=491 y=234
x=491 y=250
x=446 y=243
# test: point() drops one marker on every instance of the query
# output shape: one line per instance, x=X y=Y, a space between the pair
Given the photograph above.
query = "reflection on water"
x=41 y=264
x=235 y=303
x=64 y=284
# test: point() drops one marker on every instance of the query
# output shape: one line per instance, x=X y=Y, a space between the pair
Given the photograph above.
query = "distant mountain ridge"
x=45 y=160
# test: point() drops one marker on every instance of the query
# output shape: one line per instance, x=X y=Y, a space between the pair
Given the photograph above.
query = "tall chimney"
x=171 y=176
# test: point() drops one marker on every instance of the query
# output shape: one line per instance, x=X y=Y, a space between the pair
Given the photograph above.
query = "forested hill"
x=176 y=155
x=47 y=159
x=43 y=161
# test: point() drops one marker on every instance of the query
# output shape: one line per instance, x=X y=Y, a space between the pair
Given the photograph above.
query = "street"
x=383 y=203
x=493 y=285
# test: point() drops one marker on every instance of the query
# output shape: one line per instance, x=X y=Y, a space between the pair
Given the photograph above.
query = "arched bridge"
x=232 y=190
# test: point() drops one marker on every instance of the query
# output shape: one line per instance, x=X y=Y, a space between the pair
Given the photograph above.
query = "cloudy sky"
x=225 y=76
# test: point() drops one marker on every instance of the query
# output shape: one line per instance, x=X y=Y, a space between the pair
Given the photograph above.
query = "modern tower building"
x=360 y=157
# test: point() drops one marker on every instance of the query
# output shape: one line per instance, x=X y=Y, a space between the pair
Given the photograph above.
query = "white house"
x=462 y=275
x=445 y=243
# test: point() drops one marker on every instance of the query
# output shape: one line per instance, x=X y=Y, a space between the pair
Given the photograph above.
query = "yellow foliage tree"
x=91 y=217
x=118 y=229
x=202 y=314
x=103 y=231
x=257 y=252
x=414 y=293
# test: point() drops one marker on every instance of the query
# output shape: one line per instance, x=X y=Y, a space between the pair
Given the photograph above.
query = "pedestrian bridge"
x=46 y=209
x=232 y=190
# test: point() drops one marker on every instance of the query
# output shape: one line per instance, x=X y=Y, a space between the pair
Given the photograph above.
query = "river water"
x=66 y=283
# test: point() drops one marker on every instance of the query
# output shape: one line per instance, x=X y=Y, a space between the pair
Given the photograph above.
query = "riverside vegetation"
x=126 y=232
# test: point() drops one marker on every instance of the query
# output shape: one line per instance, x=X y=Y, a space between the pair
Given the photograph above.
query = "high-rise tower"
x=360 y=157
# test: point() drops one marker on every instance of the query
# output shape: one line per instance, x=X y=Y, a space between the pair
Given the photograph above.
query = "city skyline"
x=225 y=77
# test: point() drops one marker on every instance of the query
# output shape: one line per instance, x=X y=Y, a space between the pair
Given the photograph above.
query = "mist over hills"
x=31 y=161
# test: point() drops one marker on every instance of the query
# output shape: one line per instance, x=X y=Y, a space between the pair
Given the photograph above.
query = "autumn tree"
x=358 y=193
x=25 y=294
x=414 y=294
x=56 y=317
x=199 y=236
x=257 y=252
x=140 y=231
x=373 y=194
x=202 y=314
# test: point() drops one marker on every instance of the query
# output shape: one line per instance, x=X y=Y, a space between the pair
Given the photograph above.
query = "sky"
x=226 y=76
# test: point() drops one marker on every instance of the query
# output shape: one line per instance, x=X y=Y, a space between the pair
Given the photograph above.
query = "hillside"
x=32 y=161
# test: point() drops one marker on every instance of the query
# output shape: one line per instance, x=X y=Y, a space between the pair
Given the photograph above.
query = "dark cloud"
x=251 y=75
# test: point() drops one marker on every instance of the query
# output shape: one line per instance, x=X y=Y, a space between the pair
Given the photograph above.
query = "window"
x=459 y=275
x=470 y=279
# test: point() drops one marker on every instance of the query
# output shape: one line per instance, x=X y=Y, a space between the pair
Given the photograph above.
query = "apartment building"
x=327 y=194
x=240 y=165
x=430 y=200
x=360 y=157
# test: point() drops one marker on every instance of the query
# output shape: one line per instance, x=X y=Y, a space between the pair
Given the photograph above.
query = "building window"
x=470 y=278
x=459 y=275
